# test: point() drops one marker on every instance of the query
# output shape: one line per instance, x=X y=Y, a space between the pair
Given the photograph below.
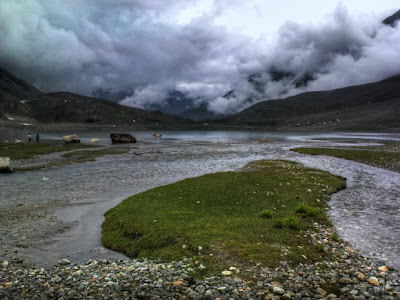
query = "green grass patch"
x=28 y=150
x=335 y=237
x=267 y=213
x=320 y=247
x=221 y=213
x=307 y=211
x=383 y=159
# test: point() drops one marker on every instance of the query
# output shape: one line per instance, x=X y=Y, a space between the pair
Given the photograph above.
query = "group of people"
x=37 y=137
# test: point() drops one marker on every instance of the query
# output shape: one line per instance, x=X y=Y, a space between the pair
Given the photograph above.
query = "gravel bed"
x=347 y=275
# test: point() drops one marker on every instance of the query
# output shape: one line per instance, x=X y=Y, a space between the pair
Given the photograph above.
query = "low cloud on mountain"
x=152 y=48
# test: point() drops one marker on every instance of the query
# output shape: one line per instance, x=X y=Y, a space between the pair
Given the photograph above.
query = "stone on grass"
x=6 y=165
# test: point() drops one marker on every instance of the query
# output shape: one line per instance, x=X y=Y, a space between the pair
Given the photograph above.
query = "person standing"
x=29 y=137
x=37 y=137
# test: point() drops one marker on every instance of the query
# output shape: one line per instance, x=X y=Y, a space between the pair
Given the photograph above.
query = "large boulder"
x=73 y=138
x=119 y=138
x=6 y=165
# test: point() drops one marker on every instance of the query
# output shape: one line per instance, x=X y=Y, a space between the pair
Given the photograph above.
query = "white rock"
x=64 y=261
x=5 y=263
x=6 y=165
x=278 y=290
x=73 y=138
x=226 y=273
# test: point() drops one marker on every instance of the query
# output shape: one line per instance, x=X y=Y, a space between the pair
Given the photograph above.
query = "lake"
x=366 y=214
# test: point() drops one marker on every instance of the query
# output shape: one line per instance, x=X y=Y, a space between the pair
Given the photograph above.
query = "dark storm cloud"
x=82 y=45
x=140 y=46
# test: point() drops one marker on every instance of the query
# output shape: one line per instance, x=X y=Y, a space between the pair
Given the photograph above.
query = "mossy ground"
x=75 y=154
x=379 y=157
x=28 y=150
x=217 y=219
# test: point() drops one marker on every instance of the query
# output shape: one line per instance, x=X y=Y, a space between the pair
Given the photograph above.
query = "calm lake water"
x=366 y=214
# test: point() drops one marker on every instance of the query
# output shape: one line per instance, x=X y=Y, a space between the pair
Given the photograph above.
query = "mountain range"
x=21 y=103
x=373 y=106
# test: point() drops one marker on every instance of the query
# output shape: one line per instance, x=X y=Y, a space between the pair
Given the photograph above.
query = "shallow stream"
x=367 y=213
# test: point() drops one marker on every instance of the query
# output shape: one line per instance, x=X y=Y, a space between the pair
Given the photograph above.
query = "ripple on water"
x=366 y=212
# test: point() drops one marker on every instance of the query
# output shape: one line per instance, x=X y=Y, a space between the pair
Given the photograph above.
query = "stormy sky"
x=204 y=48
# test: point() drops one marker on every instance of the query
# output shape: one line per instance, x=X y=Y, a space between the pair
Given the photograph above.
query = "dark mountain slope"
x=72 y=108
x=12 y=106
x=17 y=87
x=392 y=19
x=364 y=102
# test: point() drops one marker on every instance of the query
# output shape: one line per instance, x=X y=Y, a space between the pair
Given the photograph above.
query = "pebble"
x=355 y=276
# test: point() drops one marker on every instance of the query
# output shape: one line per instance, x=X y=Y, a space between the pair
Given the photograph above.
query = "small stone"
x=8 y=284
x=226 y=273
x=64 y=262
x=383 y=269
x=278 y=290
x=321 y=291
x=373 y=281
x=354 y=292
x=5 y=263
x=345 y=281
x=177 y=282
x=331 y=296
x=361 y=276
x=201 y=289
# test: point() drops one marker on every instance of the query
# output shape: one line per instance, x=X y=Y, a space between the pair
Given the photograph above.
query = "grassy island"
x=29 y=155
x=259 y=214
x=385 y=157
x=28 y=150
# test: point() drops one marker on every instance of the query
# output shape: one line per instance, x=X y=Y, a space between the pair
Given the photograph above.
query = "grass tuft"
x=335 y=237
x=292 y=222
x=307 y=211
x=320 y=247
x=267 y=214
x=279 y=224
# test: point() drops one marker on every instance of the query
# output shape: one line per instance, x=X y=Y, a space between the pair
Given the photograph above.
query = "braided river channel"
x=75 y=197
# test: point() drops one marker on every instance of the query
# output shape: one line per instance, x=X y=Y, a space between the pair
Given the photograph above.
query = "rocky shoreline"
x=345 y=275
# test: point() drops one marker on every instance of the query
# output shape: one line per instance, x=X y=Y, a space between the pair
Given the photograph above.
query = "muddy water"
x=366 y=214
